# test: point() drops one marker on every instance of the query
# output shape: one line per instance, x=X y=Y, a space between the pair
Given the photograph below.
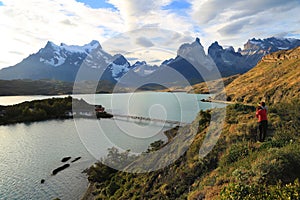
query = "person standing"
x=261 y=114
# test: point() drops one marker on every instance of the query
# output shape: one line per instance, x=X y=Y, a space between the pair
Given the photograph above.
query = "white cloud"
x=138 y=12
x=26 y=26
x=145 y=42
x=145 y=13
x=234 y=21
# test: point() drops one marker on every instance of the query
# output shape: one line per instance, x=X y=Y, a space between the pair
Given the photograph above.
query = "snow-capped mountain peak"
x=87 y=48
x=55 y=55
x=271 y=44
x=62 y=62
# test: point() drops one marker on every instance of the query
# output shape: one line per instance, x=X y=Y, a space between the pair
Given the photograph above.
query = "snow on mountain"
x=55 y=55
x=62 y=62
x=143 y=69
x=119 y=66
x=269 y=45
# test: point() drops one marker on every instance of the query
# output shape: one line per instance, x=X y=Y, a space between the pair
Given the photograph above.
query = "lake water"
x=29 y=152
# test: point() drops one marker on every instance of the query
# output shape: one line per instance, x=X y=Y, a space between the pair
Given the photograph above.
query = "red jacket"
x=261 y=114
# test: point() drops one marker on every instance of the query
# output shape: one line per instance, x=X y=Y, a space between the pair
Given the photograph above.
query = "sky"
x=158 y=25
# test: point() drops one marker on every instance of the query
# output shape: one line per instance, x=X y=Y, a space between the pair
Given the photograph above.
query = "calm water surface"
x=29 y=152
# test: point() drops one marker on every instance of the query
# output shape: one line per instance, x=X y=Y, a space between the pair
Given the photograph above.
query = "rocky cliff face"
x=293 y=54
x=227 y=60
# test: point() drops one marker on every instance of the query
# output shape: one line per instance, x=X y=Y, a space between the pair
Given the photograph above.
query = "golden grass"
x=272 y=80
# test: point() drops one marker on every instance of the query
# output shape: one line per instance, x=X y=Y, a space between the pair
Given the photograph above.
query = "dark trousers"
x=262 y=126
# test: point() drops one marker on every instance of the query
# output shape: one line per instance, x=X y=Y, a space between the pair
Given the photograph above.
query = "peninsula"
x=47 y=109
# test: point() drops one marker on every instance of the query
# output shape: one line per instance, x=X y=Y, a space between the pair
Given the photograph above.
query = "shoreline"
x=87 y=195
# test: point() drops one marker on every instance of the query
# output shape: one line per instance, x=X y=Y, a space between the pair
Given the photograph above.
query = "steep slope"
x=276 y=78
x=237 y=167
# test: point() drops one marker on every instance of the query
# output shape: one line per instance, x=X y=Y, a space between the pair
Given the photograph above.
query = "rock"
x=65 y=159
x=103 y=115
x=42 y=181
x=205 y=100
x=54 y=172
x=76 y=159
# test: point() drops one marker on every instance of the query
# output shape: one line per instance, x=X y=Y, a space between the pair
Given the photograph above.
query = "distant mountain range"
x=63 y=62
x=230 y=62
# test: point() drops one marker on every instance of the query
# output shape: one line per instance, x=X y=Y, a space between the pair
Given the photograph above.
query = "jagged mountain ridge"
x=227 y=60
x=230 y=62
x=63 y=62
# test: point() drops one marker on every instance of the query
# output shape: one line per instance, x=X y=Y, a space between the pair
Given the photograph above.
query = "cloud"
x=144 y=42
x=26 y=26
x=141 y=13
x=233 y=28
x=237 y=21
x=16 y=52
x=68 y=22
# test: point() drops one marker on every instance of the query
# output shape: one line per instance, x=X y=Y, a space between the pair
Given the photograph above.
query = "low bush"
x=241 y=191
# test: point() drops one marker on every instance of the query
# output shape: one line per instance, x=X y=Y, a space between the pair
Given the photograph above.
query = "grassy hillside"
x=238 y=167
x=276 y=78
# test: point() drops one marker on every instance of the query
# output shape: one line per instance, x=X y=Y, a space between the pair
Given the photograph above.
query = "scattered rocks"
x=205 y=100
x=54 y=172
x=65 y=159
x=76 y=159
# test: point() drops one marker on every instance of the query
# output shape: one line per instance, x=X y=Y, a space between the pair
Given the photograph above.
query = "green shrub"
x=278 y=164
x=235 y=153
x=241 y=191
x=112 y=188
